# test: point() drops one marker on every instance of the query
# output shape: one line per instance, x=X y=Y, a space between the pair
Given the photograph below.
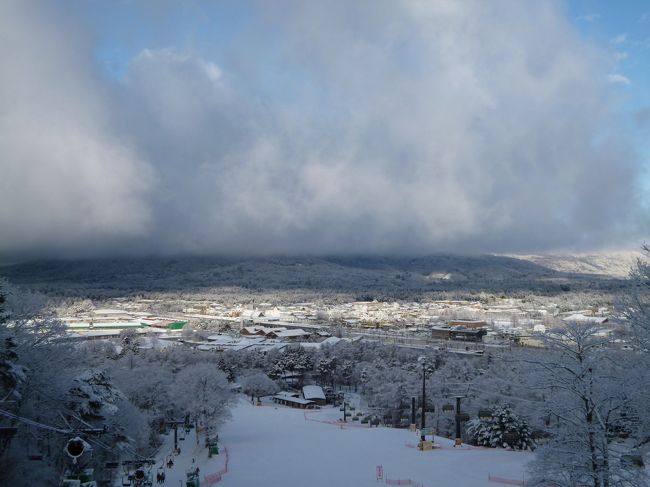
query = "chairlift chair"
x=35 y=453
x=8 y=431
x=484 y=414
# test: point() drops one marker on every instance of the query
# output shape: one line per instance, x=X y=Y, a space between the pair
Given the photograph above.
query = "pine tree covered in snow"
x=293 y=361
x=326 y=368
x=503 y=430
x=227 y=369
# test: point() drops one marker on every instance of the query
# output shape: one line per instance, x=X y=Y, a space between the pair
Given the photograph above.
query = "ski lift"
x=448 y=408
x=75 y=448
x=35 y=453
x=126 y=477
x=463 y=417
x=484 y=414
x=77 y=478
x=192 y=476
x=142 y=477
x=7 y=432
x=106 y=477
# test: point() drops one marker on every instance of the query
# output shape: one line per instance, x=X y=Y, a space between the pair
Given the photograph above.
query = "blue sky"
x=208 y=28
x=324 y=127
x=624 y=28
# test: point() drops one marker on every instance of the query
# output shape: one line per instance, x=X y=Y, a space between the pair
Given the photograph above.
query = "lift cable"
x=33 y=423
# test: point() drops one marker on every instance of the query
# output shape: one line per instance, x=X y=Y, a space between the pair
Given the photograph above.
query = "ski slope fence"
x=337 y=422
x=216 y=477
x=410 y=482
x=504 y=481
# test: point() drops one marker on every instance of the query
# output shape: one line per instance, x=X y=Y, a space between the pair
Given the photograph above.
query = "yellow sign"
x=425 y=445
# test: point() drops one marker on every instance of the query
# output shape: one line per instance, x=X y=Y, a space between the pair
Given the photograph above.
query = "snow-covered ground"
x=278 y=447
x=191 y=456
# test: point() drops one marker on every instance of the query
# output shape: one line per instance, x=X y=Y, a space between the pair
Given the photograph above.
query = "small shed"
x=315 y=394
x=292 y=400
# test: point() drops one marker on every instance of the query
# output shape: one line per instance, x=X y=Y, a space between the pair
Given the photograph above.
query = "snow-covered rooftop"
x=313 y=392
x=579 y=317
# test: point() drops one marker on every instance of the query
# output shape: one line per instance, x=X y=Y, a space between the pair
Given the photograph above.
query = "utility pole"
x=175 y=425
x=458 y=441
x=424 y=400
x=412 y=413
x=460 y=416
x=424 y=444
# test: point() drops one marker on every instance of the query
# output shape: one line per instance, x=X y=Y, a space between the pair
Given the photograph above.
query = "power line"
x=33 y=423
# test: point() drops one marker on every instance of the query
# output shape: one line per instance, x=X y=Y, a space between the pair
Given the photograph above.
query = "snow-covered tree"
x=36 y=371
x=11 y=373
x=504 y=429
x=585 y=389
x=92 y=395
x=635 y=305
x=325 y=369
x=130 y=342
x=363 y=378
x=227 y=369
x=46 y=380
x=203 y=392
x=258 y=385
x=149 y=389
x=293 y=361
x=344 y=371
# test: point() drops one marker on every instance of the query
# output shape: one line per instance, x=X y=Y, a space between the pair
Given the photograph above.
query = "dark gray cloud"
x=326 y=127
x=66 y=180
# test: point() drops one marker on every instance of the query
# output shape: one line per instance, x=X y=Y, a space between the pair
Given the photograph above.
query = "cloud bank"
x=325 y=127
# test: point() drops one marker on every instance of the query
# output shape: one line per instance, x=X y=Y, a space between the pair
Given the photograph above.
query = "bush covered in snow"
x=503 y=430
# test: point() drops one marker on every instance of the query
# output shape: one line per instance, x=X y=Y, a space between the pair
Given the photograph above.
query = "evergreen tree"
x=503 y=430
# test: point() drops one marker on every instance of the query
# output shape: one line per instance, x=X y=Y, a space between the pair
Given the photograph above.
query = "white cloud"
x=330 y=127
x=618 y=78
x=619 y=39
x=590 y=17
